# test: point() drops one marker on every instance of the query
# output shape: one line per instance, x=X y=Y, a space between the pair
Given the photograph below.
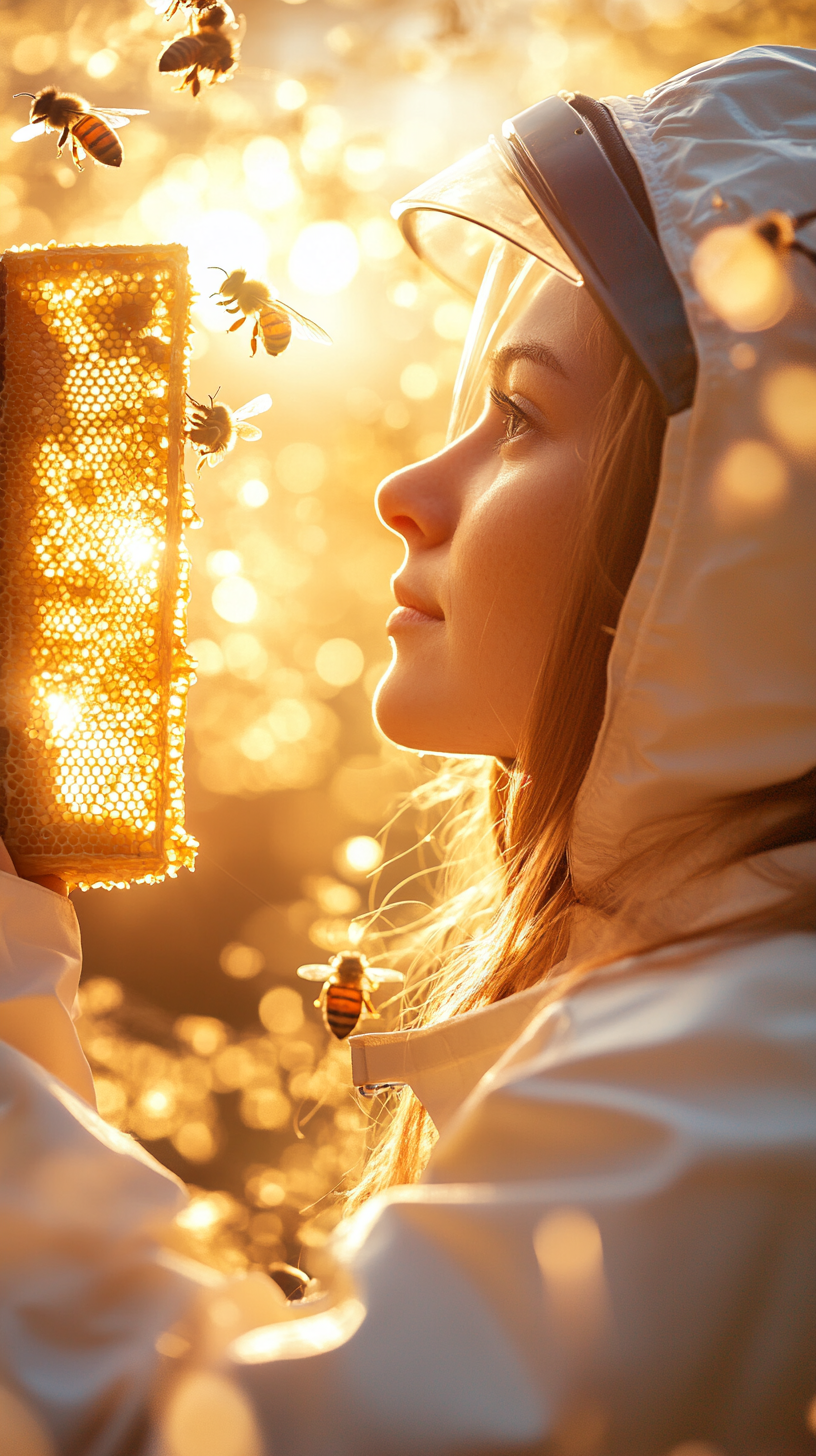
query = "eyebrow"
x=540 y=354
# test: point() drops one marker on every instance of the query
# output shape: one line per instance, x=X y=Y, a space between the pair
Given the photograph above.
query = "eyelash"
x=516 y=421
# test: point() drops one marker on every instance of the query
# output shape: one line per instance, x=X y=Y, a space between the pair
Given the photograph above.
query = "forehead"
x=566 y=320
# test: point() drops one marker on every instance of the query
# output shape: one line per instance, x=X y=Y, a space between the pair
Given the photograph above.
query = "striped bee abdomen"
x=188 y=50
x=276 y=329
x=98 y=140
x=343 y=1007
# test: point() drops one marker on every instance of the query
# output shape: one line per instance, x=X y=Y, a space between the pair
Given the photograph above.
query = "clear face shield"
x=511 y=280
x=500 y=265
x=545 y=197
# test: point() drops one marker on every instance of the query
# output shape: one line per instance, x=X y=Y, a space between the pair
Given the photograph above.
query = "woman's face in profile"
x=487 y=526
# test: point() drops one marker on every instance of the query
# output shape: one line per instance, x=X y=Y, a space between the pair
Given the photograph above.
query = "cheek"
x=508 y=562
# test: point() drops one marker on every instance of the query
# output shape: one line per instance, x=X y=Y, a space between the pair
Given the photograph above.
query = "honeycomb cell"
x=93 y=569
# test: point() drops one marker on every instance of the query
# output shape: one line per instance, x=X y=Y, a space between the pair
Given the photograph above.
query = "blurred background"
x=204 y=1044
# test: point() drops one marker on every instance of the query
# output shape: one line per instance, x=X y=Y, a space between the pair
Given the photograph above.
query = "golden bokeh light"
x=788 y=399
x=696 y=1448
x=101 y=64
x=751 y=480
x=241 y=961
x=301 y=467
x=254 y=494
x=223 y=563
x=195 y=1142
x=291 y=95
x=324 y=258
x=339 y=662
x=742 y=355
x=741 y=278
x=205 y=1414
x=281 y=1010
x=381 y=239
x=418 y=381
x=235 y=599
x=33 y=54
x=244 y=655
x=360 y=855
x=205 y=1034
x=451 y=320
x=568 y=1246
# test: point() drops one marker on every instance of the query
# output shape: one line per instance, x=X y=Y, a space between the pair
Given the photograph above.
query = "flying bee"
x=209 y=48
x=90 y=128
x=213 y=429
x=780 y=229
x=348 y=981
x=275 y=321
x=168 y=8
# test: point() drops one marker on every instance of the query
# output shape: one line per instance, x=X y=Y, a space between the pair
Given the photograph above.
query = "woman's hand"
x=48 y=882
x=6 y=862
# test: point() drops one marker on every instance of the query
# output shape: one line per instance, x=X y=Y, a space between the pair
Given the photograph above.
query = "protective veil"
x=613 y=1247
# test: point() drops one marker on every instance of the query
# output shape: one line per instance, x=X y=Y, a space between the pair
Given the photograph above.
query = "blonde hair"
x=507 y=900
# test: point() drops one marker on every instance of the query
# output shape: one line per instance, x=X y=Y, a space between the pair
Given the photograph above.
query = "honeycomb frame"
x=94 y=572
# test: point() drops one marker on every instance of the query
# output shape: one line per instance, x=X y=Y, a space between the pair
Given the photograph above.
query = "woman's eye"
x=516 y=421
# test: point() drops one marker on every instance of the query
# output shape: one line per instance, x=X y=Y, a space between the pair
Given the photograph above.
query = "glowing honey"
x=93 y=568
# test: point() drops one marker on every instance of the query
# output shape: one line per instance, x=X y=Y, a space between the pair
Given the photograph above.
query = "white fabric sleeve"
x=84 y=1291
x=40 y=953
x=676 y=1110
x=40 y=964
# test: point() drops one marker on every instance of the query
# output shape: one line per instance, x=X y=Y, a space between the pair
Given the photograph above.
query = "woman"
x=605 y=593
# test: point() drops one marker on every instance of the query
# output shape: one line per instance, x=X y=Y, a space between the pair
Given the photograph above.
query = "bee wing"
x=305 y=328
x=248 y=432
x=117 y=119
x=26 y=133
x=314 y=973
x=379 y=973
x=256 y=406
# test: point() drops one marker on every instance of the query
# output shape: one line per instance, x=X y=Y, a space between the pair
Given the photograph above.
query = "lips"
x=413 y=610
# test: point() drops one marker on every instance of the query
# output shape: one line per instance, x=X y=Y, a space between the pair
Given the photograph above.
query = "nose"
x=421 y=503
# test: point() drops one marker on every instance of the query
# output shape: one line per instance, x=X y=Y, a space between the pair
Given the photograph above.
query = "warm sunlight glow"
x=301 y=467
x=235 y=599
x=741 y=278
x=361 y=854
x=226 y=238
x=325 y=258
x=339 y=662
x=223 y=563
x=751 y=481
x=291 y=95
x=207 y=1415
x=101 y=64
x=788 y=399
x=253 y=493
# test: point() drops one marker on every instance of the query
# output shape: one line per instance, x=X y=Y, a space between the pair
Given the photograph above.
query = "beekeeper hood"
x=687 y=213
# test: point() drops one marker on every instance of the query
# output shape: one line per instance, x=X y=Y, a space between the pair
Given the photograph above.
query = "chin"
x=398 y=715
x=403 y=713
x=411 y=715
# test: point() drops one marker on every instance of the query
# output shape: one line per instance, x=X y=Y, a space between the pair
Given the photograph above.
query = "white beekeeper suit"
x=614 y=1246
